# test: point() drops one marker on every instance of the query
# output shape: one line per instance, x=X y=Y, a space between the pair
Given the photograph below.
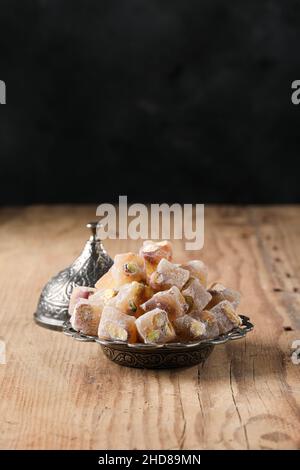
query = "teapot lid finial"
x=93 y=226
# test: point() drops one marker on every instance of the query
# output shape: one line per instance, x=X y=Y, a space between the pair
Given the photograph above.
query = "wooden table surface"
x=56 y=393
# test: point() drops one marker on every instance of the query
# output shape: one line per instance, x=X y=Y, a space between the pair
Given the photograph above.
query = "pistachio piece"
x=132 y=306
x=130 y=268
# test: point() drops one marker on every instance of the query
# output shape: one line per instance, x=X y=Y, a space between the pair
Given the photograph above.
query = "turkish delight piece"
x=86 y=317
x=210 y=322
x=127 y=267
x=188 y=328
x=226 y=316
x=155 y=327
x=220 y=293
x=116 y=325
x=171 y=301
x=130 y=297
x=167 y=275
x=197 y=269
x=106 y=281
x=196 y=295
x=153 y=252
x=79 y=292
x=102 y=297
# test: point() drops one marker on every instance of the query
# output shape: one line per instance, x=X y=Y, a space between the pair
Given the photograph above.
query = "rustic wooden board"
x=57 y=393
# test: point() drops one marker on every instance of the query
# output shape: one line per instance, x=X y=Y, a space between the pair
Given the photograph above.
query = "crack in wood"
x=243 y=425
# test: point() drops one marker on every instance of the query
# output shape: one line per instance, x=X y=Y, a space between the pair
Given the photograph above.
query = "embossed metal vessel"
x=52 y=309
x=161 y=356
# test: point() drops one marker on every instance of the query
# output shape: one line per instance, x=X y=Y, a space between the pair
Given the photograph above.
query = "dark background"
x=162 y=100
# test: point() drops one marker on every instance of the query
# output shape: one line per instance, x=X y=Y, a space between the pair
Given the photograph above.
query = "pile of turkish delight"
x=146 y=298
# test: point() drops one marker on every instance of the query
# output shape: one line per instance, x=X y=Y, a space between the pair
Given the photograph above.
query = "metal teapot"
x=52 y=309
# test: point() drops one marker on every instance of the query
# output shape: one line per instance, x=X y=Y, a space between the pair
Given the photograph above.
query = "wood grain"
x=60 y=394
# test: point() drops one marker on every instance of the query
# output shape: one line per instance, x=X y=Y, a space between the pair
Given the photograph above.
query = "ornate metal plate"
x=161 y=356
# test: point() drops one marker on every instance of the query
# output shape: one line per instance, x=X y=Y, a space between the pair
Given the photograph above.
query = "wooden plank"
x=60 y=394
